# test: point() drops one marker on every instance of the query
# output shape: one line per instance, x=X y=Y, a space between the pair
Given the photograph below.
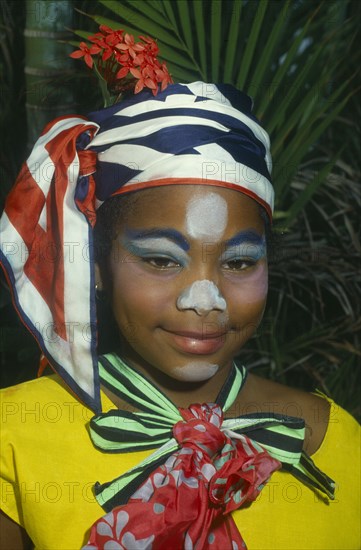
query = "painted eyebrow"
x=249 y=237
x=168 y=233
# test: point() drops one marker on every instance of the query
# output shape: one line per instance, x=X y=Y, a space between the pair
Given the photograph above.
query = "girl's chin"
x=197 y=371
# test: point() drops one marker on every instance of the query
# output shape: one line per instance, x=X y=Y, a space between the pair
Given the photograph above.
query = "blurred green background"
x=299 y=61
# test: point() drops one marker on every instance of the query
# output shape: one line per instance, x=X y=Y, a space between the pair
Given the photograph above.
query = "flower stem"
x=103 y=87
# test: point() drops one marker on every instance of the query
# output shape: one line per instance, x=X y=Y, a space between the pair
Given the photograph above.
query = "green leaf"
x=168 y=7
x=311 y=188
x=310 y=103
x=150 y=10
x=176 y=57
x=82 y=34
x=143 y=24
x=201 y=37
x=179 y=74
x=186 y=25
x=284 y=65
x=292 y=91
x=253 y=39
x=232 y=42
x=103 y=87
x=74 y=42
x=265 y=60
x=305 y=137
x=216 y=21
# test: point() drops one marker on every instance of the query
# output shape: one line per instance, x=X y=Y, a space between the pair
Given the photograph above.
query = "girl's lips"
x=197 y=343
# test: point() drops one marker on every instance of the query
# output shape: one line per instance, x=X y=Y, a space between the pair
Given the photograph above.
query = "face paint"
x=202 y=296
x=168 y=233
x=256 y=285
x=206 y=217
x=245 y=246
x=153 y=245
x=195 y=372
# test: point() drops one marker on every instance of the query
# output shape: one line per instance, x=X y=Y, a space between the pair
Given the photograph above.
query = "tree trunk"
x=49 y=70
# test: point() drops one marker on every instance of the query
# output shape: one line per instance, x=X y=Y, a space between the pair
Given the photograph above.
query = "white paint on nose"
x=202 y=297
x=207 y=217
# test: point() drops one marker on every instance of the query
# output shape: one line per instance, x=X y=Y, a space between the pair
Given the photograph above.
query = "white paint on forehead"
x=196 y=371
x=202 y=296
x=206 y=217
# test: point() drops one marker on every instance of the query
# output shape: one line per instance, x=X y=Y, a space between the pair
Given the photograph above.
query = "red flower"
x=112 y=37
x=163 y=76
x=144 y=79
x=130 y=46
x=122 y=73
x=86 y=52
x=107 y=40
x=124 y=63
x=152 y=46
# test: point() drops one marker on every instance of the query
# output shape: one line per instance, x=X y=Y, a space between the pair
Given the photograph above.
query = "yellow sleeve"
x=10 y=500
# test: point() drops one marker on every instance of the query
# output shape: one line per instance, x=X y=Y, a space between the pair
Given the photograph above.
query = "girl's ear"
x=101 y=278
x=108 y=332
x=98 y=278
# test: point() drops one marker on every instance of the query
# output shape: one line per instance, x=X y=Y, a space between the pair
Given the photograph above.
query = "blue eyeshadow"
x=168 y=233
x=246 y=237
x=246 y=244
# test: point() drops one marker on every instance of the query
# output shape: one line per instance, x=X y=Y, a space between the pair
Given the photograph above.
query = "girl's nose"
x=201 y=296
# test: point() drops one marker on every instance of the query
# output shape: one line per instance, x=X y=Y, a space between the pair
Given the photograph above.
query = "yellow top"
x=49 y=466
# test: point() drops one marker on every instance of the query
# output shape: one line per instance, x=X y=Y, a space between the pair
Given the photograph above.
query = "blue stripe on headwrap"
x=141 y=140
x=109 y=177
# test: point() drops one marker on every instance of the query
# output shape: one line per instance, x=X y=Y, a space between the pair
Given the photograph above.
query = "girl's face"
x=188 y=273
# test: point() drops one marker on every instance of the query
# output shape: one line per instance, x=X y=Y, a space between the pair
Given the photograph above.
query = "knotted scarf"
x=181 y=496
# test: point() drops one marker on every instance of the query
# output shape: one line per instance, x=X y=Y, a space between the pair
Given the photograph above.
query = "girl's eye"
x=161 y=263
x=239 y=264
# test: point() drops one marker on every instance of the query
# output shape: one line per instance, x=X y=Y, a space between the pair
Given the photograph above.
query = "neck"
x=181 y=393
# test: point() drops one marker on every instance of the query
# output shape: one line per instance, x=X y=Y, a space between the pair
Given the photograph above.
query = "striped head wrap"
x=195 y=133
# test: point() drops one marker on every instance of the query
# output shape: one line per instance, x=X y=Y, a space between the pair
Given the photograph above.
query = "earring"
x=99 y=293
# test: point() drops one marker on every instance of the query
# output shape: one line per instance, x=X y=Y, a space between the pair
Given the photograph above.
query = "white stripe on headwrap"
x=142 y=129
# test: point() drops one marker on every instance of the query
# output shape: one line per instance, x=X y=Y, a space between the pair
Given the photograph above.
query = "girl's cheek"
x=132 y=288
x=258 y=285
x=252 y=288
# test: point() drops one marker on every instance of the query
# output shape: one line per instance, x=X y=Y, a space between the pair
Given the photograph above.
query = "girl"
x=185 y=450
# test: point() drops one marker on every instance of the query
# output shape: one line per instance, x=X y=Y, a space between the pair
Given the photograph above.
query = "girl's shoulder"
x=34 y=388
x=42 y=401
x=323 y=417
